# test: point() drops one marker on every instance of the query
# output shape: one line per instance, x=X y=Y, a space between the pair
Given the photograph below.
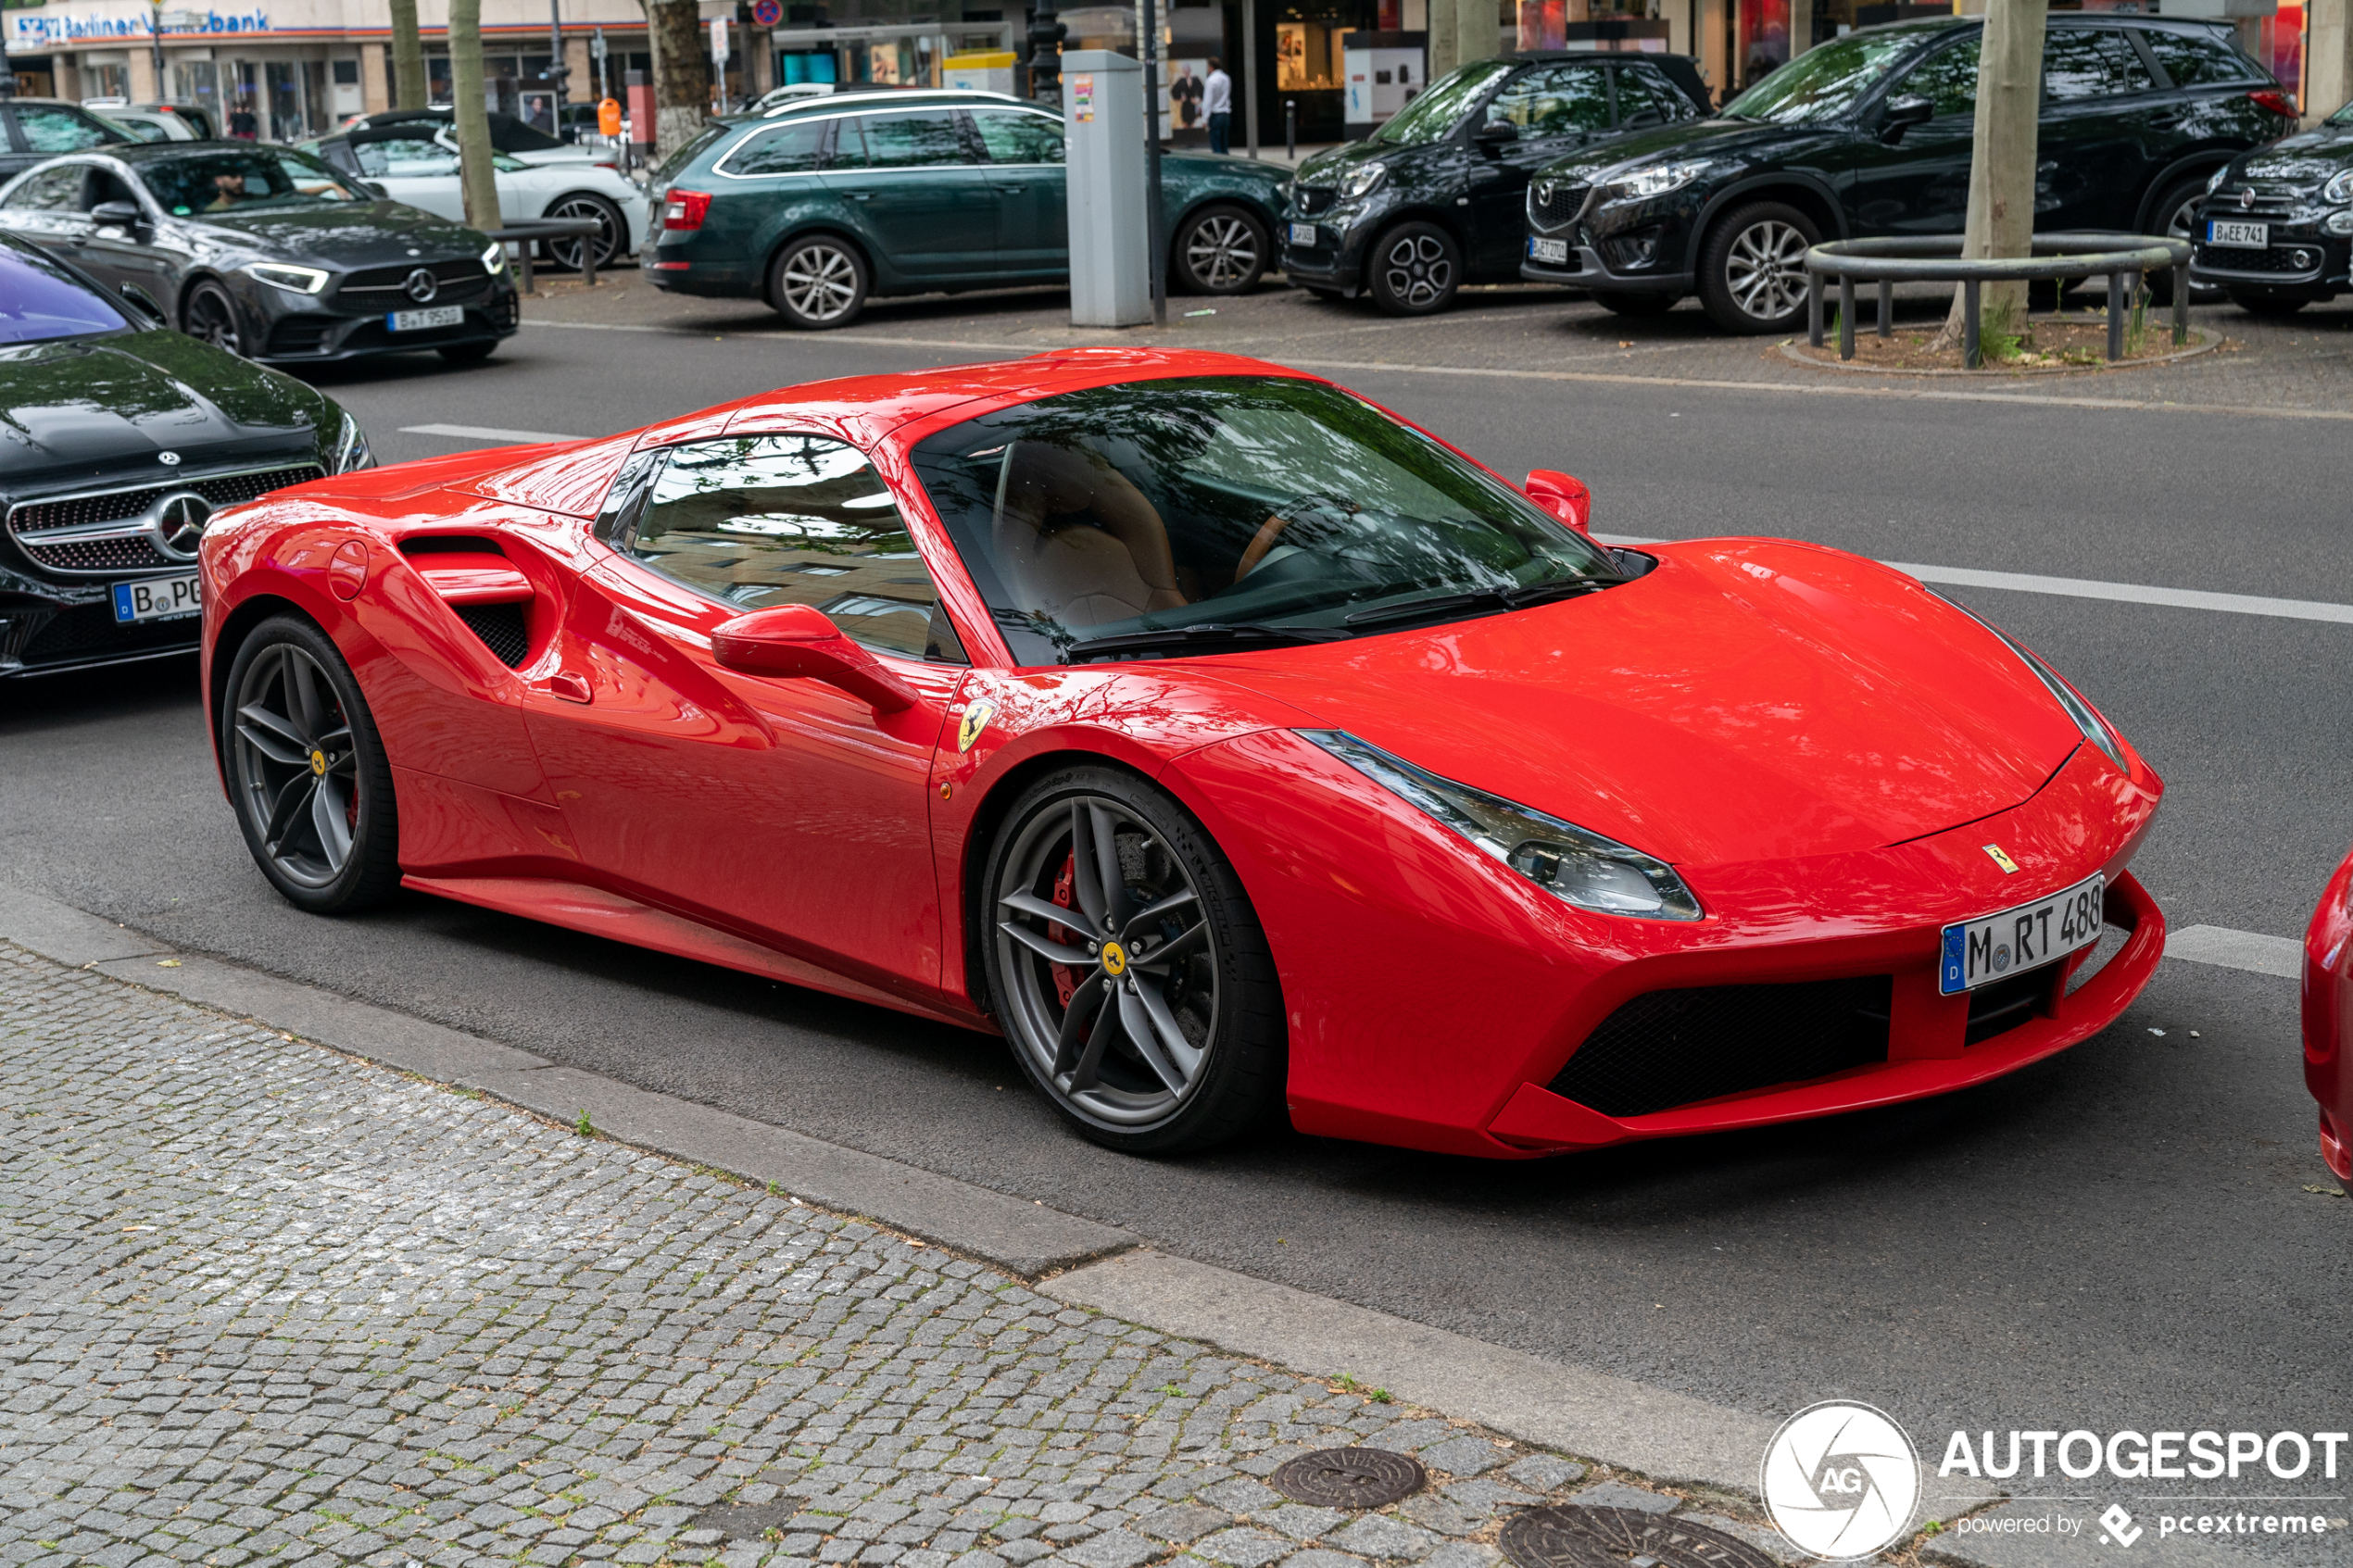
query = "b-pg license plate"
x=1979 y=952
x=421 y=321
x=1541 y=249
x=1303 y=235
x=157 y=598
x=2239 y=236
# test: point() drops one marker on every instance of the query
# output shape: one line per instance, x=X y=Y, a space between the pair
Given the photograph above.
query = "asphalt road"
x=2117 y=1238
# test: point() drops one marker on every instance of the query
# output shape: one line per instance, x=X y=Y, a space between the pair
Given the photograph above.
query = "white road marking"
x=2236 y=949
x=2087 y=588
x=485 y=432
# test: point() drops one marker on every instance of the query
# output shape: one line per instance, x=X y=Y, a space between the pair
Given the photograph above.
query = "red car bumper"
x=2328 y=1018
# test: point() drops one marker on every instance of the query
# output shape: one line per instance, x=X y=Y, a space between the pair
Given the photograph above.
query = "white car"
x=149 y=125
x=517 y=139
x=421 y=170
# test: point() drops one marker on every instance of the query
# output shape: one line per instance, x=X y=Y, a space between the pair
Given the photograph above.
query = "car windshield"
x=40 y=302
x=1826 y=81
x=1441 y=105
x=215 y=179
x=1136 y=517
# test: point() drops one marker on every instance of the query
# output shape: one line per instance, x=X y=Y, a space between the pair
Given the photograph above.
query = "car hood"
x=1227 y=163
x=80 y=411
x=1326 y=167
x=2306 y=158
x=383 y=233
x=1747 y=699
x=1692 y=138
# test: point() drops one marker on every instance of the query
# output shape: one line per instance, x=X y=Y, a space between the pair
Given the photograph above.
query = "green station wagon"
x=821 y=204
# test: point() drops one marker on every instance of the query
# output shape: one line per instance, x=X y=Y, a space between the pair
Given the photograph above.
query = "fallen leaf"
x=2324 y=1191
x=167 y=963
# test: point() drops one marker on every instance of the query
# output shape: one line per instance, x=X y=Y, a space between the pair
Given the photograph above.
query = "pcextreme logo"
x=1840 y=1480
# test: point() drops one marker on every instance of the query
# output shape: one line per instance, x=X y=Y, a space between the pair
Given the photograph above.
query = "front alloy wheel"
x=1129 y=974
x=1415 y=271
x=1753 y=271
x=210 y=315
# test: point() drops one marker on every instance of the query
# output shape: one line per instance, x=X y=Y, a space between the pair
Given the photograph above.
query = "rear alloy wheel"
x=2178 y=206
x=610 y=238
x=1220 y=250
x=1416 y=270
x=307 y=772
x=1129 y=970
x=818 y=282
x=210 y=315
x=1752 y=275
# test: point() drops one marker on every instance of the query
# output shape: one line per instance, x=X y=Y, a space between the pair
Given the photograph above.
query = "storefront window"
x=1764 y=37
x=199 y=82
x=285 y=100
x=1307 y=56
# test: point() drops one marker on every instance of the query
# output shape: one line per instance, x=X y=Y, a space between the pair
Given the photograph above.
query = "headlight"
x=494 y=261
x=294 y=280
x=351 y=447
x=1572 y=864
x=1362 y=180
x=2339 y=190
x=1644 y=183
x=2220 y=175
x=2095 y=728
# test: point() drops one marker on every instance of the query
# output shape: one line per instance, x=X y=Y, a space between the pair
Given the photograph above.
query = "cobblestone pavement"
x=261 y=1303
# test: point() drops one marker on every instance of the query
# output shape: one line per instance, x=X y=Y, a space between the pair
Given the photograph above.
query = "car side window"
x=1553 y=101
x=2082 y=62
x=50 y=129
x=1635 y=81
x=918 y=138
x=1018 y=136
x=421 y=158
x=1946 y=79
x=53 y=189
x=782 y=149
x=761 y=521
x=2196 y=62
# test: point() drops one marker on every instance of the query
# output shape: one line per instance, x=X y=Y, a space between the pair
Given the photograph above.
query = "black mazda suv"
x=1870 y=133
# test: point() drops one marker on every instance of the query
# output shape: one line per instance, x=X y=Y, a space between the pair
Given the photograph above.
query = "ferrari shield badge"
x=2001 y=858
x=976 y=718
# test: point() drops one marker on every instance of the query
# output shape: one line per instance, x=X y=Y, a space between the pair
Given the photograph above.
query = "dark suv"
x=1870 y=133
x=1434 y=198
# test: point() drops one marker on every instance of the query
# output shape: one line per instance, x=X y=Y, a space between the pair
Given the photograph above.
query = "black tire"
x=307 y=772
x=2174 y=214
x=612 y=230
x=1752 y=276
x=468 y=353
x=1414 y=270
x=1069 y=1022
x=1220 y=249
x=818 y=281
x=1638 y=304
x=210 y=315
x=2262 y=302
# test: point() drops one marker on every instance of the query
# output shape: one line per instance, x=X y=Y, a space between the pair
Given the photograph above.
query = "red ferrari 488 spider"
x=1220 y=738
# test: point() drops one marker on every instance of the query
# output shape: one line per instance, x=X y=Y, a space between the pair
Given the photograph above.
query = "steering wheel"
x=1282 y=518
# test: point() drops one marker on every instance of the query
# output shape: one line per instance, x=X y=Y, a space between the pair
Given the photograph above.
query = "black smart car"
x=1433 y=199
x=2277 y=224
x=1870 y=133
x=122 y=438
x=266 y=251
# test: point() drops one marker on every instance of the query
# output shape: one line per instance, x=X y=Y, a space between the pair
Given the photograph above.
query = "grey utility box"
x=1109 y=231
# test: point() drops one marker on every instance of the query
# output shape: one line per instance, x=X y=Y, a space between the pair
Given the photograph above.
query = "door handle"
x=860 y=195
x=1013 y=190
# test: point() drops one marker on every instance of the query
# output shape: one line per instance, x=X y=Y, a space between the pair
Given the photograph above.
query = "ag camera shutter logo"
x=1840 y=1480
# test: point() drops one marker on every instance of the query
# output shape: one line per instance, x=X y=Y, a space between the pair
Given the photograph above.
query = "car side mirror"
x=373 y=189
x=1495 y=135
x=798 y=641
x=117 y=215
x=1564 y=496
x=1642 y=118
x=144 y=304
x=1911 y=109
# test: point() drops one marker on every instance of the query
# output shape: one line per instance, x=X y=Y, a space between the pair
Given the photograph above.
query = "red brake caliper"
x=1065 y=975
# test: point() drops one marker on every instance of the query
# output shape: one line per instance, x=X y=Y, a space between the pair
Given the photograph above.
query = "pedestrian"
x=1217 y=103
x=242 y=125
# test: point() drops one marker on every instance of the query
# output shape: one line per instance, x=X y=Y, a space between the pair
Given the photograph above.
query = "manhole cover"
x=1577 y=1536
x=1349 y=1478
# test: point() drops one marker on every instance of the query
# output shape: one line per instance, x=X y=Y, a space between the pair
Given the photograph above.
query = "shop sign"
x=48 y=27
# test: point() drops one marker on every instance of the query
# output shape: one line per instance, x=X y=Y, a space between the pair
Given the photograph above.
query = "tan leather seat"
x=1112 y=565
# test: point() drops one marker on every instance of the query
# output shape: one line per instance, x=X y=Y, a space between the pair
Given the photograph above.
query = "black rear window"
x=678 y=161
x=2196 y=62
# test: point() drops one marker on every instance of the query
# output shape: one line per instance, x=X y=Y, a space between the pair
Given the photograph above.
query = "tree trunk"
x=1445 y=43
x=476 y=176
x=1479 y=24
x=2001 y=176
x=409 y=87
x=682 y=76
x=2328 y=69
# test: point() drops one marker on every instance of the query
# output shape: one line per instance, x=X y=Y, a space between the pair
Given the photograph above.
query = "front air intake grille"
x=91 y=632
x=131 y=552
x=1667 y=1049
x=1552 y=205
x=1309 y=200
x=501 y=629
x=463 y=275
x=2286 y=259
x=2003 y=1006
x=300 y=334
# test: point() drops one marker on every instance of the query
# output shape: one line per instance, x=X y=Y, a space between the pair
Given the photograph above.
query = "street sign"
x=767 y=13
x=719 y=38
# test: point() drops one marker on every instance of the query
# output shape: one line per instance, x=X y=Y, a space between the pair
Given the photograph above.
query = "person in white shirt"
x=1217 y=104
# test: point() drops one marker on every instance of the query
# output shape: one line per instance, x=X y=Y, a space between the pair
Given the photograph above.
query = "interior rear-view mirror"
x=1564 y=496
x=798 y=641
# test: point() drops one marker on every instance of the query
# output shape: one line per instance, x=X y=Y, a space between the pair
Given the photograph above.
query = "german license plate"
x=1540 y=249
x=2239 y=236
x=1303 y=235
x=1979 y=952
x=157 y=598
x=422 y=320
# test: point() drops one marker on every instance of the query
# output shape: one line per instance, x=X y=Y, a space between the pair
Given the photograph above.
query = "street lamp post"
x=7 y=72
x=557 y=69
x=155 y=39
x=1046 y=35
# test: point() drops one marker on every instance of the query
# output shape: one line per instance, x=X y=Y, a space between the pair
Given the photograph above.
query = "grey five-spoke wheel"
x=307 y=776
x=818 y=282
x=1415 y=271
x=1127 y=968
x=210 y=315
x=1753 y=269
x=610 y=238
x=1221 y=250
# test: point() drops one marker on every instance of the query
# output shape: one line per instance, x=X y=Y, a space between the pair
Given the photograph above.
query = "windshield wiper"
x=1205 y=632
x=1479 y=598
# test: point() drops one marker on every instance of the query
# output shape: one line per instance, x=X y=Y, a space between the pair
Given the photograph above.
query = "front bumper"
x=2301 y=262
x=1627 y=247
x=46 y=629
x=1336 y=261
x=299 y=330
x=1586 y=269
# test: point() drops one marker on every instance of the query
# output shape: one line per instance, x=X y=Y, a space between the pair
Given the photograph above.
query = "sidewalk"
x=265 y=1302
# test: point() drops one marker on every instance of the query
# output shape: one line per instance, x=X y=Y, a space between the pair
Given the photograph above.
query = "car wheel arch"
x=810 y=231
x=2203 y=162
x=1807 y=196
x=235 y=627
